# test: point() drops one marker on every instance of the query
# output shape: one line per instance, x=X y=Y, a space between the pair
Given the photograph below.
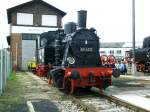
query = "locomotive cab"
x=46 y=52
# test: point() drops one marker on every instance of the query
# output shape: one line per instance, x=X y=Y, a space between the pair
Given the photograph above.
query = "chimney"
x=70 y=27
x=82 y=14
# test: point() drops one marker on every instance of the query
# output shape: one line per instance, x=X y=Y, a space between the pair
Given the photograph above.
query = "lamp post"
x=133 y=36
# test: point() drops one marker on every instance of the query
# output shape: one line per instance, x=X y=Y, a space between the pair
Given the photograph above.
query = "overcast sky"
x=111 y=18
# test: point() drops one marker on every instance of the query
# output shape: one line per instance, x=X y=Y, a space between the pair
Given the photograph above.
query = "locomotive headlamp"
x=71 y=60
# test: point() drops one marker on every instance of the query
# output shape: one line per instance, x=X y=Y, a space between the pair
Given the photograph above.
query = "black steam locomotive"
x=142 y=56
x=70 y=58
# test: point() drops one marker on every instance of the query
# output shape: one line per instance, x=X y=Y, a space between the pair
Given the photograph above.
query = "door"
x=28 y=49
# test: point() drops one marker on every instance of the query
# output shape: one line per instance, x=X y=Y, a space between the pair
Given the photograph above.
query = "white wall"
x=107 y=51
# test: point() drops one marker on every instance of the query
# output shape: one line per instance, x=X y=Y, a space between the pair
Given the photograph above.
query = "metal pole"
x=37 y=49
x=1 y=78
x=133 y=36
x=16 y=56
x=11 y=59
x=1 y=71
x=11 y=62
x=5 y=67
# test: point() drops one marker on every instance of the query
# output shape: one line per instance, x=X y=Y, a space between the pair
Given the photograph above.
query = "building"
x=27 y=21
x=117 y=49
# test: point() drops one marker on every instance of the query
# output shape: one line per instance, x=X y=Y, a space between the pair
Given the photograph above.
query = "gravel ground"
x=44 y=98
x=104 y=105
x=28 y=87
x=49 y=94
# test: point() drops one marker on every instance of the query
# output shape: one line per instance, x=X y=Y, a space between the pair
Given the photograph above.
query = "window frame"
x=21 y=19
x=45 y=17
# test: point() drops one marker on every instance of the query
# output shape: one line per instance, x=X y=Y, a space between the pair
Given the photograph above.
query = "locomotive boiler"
x=73 y=57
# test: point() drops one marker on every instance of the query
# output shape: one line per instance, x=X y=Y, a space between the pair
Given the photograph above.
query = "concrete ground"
x=132 y=88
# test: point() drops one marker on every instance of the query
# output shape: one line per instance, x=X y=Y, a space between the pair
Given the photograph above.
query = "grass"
x=12 y=76
x=12 y=94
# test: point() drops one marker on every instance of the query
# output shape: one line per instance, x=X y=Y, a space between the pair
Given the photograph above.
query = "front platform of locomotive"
x=81 y=61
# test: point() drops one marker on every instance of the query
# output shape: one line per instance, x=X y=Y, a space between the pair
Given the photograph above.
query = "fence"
x=5 y=68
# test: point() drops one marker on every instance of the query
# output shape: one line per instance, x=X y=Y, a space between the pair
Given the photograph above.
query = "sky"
x=111 y=18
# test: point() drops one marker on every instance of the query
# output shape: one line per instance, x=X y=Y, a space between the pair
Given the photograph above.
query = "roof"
x=120 y=45
x=112 y=45
x=9 y=11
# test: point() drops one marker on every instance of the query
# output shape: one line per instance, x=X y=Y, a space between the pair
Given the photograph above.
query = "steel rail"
x=123 y=103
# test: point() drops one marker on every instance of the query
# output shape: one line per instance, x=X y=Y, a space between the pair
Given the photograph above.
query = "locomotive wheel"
x=116 y=73
x=54 y=80
x=88 y=88
x=68 y=86
x=59 y=82
x=105 y=84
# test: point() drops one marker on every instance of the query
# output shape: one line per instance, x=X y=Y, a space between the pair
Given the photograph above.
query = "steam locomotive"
x=70 y=58
x=142 y=56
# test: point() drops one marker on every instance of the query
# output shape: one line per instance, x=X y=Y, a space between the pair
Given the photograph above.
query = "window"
x=24 y=19
x=102 y=51
x=49 y=20
x=111 y=51
x=118 y=51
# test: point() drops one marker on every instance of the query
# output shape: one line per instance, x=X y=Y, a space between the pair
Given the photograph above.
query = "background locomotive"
x=142 y=56
x=70 y=58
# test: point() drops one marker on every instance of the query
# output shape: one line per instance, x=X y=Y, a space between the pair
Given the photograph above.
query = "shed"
x=27 y=21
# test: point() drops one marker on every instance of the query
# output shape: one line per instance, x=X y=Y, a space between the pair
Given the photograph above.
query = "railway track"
x=94 y=101
x=123 y=103
x=101 y=102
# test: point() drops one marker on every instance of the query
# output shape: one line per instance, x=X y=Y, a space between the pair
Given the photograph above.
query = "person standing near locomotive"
x=122 y=68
